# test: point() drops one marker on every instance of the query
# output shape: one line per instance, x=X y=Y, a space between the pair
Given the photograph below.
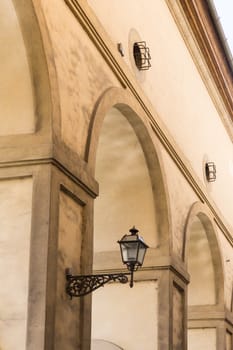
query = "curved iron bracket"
x=78 y=286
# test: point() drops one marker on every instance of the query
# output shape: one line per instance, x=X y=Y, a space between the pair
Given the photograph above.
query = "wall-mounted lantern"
x=133 y=250
x=121 y=49
x=210 y=171
x=141 y=55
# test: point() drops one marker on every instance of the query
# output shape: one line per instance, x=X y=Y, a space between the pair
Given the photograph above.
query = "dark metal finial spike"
x=133 y=230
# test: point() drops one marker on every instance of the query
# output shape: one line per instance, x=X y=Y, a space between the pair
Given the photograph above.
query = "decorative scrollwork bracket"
x=78 y=286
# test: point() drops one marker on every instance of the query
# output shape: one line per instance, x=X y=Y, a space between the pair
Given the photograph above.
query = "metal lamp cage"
x=133 y=250
x=142 y=55
x=210 y=169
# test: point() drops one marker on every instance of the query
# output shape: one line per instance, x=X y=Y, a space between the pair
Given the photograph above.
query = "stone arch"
x=121 y=137
x=136 y=117
x=28 y=87
x=199 y=210
x=203 y=258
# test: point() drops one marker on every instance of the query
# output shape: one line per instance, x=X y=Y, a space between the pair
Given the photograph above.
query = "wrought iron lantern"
x=210 y=170
x=133 y=250
x=141 y=55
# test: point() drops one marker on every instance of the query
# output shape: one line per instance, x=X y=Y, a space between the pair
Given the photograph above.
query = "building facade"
x=92 y=144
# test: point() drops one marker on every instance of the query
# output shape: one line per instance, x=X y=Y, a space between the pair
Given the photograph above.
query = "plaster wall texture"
x=227 y=260
x=82 y=73
x=82 y=77
x=15 y=216
x=175 y=88
x=200 y=267
x=103 y=345
x=178 y=318
x=67 y=326
x=122 y=320
x=228 y=341
x=204 y=338
x=15 y=87
x=181 y=197
x=126 y=197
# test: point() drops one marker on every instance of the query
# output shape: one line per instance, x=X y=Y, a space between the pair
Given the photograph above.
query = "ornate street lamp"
x=133 y=250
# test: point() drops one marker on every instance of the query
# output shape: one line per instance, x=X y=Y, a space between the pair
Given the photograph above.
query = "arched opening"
x=126 y=198
x=200 y=267
x=25 y=101
x=205 y=291
x=140 y=128
x=16 y=92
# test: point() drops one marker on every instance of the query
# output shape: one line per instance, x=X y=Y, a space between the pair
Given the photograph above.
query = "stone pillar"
x=68 y=322
x=172 y=315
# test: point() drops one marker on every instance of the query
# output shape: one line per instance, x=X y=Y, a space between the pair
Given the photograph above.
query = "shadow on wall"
x=98 y=344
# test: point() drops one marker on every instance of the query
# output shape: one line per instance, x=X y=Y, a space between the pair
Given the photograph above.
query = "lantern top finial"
x=133 y=230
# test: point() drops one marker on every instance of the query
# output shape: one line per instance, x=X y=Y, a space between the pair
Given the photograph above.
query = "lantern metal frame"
x=133 y=238
x=141 y=55
x=210 y=171
x=81 y=285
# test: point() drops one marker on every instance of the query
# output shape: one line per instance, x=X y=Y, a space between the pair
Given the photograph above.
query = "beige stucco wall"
x=68 y=256
x=202 y=338
x=121 y=320
x=79 y=75
x=200 y=267
x=227 y=259
x=15 y=214
x=180 y=201
x=16 y=117
x=228 y=341
x=175 y=88
x=103 y=345
x=82 y=73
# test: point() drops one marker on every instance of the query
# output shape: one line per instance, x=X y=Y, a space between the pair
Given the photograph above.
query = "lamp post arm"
x=77 y=286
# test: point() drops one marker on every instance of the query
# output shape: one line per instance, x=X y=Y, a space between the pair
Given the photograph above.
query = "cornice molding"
x=89 y=187
x=94 y=30
x=208 y=64
x=201 y=22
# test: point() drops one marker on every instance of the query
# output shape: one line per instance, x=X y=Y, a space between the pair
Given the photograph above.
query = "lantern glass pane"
x=141 y=253
x=129 y=251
